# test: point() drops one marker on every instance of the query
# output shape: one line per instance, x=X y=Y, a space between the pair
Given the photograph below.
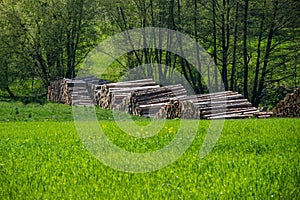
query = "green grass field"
x=42 y=157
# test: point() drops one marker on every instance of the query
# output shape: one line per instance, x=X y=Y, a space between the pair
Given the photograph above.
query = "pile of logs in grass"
x=73 y=92
x=147 y=102
x=146 y=98
x=220 y=105
x=289 y=106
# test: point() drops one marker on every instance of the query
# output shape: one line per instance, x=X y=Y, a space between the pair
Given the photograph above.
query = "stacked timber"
x=118 y=94
x=289 y=106
x=220 y=105
x=149 y=101
x=78 y=92
x=59 y=91
x=225 y=105
x=73 y=91
x=111 y=94
x=176 y=108
x=146 y=98
x=53 y=93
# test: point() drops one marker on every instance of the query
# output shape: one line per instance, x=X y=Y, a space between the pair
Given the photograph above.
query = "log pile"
x=289 y=106
x=60 y=91
x=73 y=91
x=220 y=105
x=149 y=101
x=146 y=98
x=108 y=95
x=177 y=108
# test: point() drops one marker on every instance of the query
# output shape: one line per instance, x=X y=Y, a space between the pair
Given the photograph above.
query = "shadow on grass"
x=25 y=99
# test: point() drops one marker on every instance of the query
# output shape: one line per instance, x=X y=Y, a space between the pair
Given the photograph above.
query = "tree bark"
x=215 y=88
x=267 y=54
x=254 y=91
x=201 y=90
x=245 y=51
x=224 y=45
x=234 y=47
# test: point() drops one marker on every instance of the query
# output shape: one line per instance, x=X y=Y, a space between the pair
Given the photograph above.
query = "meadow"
x=42 y=157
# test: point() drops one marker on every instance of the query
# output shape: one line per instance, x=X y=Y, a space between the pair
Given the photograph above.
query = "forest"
x=254 y=44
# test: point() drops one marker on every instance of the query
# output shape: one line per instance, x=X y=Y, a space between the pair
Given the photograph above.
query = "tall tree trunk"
x=227 y=39
x=156 y=51
x=146 y=52
x=172 y=26
x=267 y=53
x=215 y=88
x=254 y=91
x=234 y=47
x=77 y=32
x=40 y=61
x=6 y=82
x=224 y=45
x=201 y=90
x=129 y=38
x=188 y=72
x=245 y=51
x=296 y=61
x=69 y=56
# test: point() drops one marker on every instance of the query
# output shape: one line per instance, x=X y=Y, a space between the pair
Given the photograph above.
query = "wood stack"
x=107 y=95
x=53 y=93
x=59 y=91
x=149 y=101
x=176 y=108
x=220 y=105
x=118 y=94
x=146 y=98
x=225 y=105
x=78 y=92
x=289 y=106
x=73 y=91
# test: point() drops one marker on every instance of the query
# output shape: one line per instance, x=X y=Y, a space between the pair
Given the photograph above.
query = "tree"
x=52 y=37
x=254 y=44
x=235 y=43
x=245 y=48
x=258 y=56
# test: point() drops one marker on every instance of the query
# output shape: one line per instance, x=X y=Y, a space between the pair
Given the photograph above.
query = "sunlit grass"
x=252 y=159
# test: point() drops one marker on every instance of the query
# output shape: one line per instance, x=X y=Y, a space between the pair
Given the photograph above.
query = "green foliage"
x=45 y=40
x=271 y=45
x=272 y=95
x=46 y=160
x=41 y=41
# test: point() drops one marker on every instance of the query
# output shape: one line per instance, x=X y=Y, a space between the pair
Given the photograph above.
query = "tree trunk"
x=245 y=51
x=215 y=88
x=6 y=82
x=254 y=91
x=69 y=56
x=224 y=45
x=267 y=54
x=197 y=48
x=11 y=95
x=121 y=12
x=188 y=72
x=234 y=47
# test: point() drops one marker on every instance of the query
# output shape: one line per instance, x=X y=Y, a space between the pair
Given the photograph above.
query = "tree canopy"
x=255 y=44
